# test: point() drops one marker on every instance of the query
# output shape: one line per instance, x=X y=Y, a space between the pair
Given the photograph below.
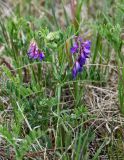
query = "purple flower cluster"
x=82 y=48
x=34 y=52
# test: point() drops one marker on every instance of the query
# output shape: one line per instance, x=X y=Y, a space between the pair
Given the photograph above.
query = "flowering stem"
x=68 y=53
x=54 y=67
x=77 y=93
x=58 y=95
x=58 y=98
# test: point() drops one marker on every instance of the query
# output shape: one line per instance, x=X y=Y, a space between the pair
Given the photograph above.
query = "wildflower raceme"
x=34 y=52
x=82 y=48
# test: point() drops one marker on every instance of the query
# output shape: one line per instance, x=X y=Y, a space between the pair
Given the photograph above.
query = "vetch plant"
x=34 y=52
x=82 y=48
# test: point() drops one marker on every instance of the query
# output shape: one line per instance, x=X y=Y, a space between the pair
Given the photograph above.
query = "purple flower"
x=76 y=69
x=41 y=56
x=82 y=48
x=34 y=52
x=74 y=49
x=86 y=48
x=82 y=59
